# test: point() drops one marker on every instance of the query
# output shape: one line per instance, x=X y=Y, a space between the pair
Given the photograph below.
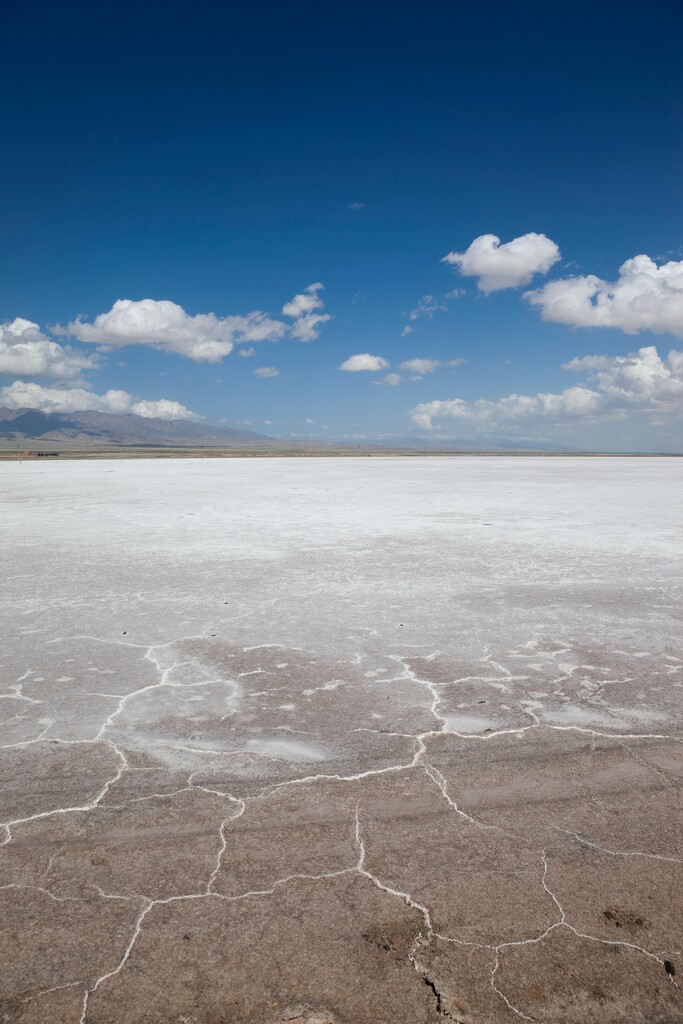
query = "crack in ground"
x=615 y=853
x=653 y=768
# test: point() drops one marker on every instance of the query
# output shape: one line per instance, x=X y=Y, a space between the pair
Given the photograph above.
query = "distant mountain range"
x=29 y=425
x=26 y=427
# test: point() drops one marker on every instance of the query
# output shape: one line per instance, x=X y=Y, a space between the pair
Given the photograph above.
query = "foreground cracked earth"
x=447 y=796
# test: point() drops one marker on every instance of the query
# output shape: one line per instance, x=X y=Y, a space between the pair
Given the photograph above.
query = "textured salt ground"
x=335 y=743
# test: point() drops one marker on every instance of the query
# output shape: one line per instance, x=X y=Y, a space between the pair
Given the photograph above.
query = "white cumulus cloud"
x=509 y=265
x=364 y=361
x=303 y=308
x=26 y=352
x=645 y=297
x=162 y=324
x=204 y=337
x=514 y=408
x=163 y=409
x=640 y=382
x=305 y=302
x=307 y=328
x=28 y=395
x=266 y=371
x=641 y=377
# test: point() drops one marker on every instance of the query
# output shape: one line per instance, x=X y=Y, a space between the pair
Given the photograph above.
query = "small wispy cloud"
x=416 y=369
x=266 y=371
x=420 y=366
x=429 y=306
x=426 y=307
x=391 y=380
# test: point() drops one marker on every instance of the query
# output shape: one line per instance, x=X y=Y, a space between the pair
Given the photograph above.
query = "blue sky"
x=225 y=158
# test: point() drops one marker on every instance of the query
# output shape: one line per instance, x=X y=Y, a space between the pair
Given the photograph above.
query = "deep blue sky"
x=209 y=154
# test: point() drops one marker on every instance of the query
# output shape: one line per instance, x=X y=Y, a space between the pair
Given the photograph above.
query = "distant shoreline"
x=11 y=455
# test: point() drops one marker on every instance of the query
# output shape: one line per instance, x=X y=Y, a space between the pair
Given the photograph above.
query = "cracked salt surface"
x=329 y=730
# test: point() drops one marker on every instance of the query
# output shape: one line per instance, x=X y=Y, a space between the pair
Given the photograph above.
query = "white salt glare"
x=184 y=608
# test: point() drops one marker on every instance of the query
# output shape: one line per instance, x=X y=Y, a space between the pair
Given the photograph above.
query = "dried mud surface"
x=328 y=743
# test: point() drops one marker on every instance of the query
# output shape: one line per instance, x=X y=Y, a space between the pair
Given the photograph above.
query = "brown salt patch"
x=309 y=944
x=568 y=980
x=305 y=830
x=620 y=898
x=46 y=776
x=529 y=782
x=45 y=943
x=152 y=848
x=478 y=884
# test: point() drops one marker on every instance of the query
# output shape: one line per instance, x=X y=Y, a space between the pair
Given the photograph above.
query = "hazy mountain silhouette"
x=107 y=429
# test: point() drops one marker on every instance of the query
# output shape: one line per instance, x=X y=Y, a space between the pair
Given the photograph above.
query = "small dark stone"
x=187 y=937
x=669 y=968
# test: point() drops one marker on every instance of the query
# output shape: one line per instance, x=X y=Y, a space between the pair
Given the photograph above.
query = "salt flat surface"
x=403 y=647
x=476 y=561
